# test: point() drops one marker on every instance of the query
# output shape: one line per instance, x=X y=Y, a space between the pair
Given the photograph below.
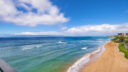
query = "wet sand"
x=111 y=61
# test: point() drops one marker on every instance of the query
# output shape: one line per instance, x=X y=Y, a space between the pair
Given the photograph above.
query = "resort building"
x=123 y=34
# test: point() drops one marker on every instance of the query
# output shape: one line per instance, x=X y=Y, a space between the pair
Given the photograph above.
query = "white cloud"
x=87 y=30
x=63 y=28
x=45 y=12
x=103 y=29
x=40 y=33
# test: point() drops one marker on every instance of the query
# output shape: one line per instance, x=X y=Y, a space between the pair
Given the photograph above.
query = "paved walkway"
x=4 y=67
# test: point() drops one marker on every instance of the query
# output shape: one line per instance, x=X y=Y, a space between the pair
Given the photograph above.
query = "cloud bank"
x=40 y=33
x=103 y=29
x=30 y=12
x=87 y=30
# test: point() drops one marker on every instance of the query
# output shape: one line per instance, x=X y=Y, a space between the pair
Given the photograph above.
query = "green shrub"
x=122 y=49
x=119 y=39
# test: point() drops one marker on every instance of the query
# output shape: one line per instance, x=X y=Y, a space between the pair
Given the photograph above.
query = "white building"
x=123 y=34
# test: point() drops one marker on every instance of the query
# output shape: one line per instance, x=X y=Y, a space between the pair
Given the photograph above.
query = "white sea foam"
x=61 y=42
x=79 y=64
x=84 y=48
x=28 y=47
x=84 y=60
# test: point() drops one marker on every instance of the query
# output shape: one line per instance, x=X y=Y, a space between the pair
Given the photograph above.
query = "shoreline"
x=111 y=61
x=86 y=59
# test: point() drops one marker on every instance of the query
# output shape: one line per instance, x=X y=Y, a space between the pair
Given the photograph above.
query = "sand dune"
x=111 y=61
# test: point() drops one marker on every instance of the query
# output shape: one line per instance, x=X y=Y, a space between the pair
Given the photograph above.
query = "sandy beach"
x=111 y=61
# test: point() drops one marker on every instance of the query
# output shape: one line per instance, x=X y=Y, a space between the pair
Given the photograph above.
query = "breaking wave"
x=84 y=60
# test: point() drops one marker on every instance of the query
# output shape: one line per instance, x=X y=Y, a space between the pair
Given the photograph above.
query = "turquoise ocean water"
x=46 y=54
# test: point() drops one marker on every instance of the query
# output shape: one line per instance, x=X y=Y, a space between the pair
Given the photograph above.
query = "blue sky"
x=63 y=17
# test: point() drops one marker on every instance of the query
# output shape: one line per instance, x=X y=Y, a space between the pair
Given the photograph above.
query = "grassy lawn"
x=122 y=49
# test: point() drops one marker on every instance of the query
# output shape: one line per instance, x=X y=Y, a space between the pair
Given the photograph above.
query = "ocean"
x=47 y=54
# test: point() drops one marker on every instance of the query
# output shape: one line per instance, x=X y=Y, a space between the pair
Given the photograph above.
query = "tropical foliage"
x=122 y=49
x=123 y=44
